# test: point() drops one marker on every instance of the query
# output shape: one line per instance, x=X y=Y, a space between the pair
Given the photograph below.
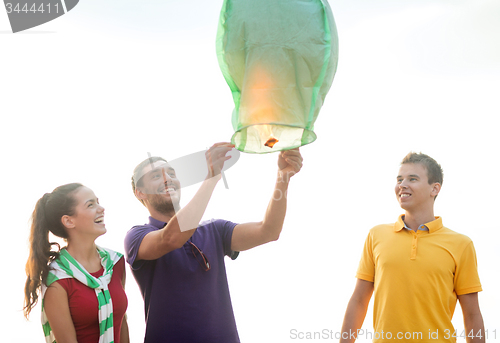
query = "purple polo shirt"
x=183 y=302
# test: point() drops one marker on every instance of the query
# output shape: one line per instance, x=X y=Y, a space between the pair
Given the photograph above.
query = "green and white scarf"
x=64 y=267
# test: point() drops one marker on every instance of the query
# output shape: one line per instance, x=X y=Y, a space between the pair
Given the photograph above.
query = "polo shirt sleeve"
x=225 y=229
x=466 y=275
x=366 y=268
x=133 y=241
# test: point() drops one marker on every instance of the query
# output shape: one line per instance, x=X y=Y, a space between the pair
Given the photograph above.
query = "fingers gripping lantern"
x=279 y=58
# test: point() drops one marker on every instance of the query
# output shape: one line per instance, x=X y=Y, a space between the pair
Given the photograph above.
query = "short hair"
x=138 y=171
x=434 y=170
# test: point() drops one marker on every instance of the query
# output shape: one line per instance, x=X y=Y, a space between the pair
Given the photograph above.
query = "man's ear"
x=68 y=222
x=436 y=187
x=139 y=194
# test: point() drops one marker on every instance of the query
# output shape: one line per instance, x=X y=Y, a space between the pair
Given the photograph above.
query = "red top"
x=83 y=304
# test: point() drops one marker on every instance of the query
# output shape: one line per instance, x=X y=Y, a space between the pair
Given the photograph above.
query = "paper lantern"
x=278 y=58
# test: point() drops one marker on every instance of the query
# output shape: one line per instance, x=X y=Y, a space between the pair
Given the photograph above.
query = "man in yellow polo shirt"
x=416 y=269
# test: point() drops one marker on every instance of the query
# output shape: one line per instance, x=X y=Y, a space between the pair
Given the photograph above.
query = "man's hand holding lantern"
x=289 y=163
x=216 y=156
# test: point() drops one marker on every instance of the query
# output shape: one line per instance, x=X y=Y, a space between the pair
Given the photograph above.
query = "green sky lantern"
x=278 y=58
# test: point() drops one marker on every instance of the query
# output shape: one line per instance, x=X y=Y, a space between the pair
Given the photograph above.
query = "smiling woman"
x=81 y=296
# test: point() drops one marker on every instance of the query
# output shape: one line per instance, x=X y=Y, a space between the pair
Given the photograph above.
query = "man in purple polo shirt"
x=179 y=263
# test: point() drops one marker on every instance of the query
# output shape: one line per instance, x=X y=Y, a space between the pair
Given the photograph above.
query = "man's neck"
x=414 y=220
x=164 y=217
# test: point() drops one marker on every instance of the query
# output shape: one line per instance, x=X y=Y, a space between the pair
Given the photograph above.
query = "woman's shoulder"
x=119 y=268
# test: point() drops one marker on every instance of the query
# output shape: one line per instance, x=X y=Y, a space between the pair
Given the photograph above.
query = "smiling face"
x=159 y=187
x=413 y=191
x=88 y=218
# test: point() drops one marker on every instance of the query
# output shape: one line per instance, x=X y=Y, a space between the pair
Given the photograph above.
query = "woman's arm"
x=124 y=335
x=57 y=310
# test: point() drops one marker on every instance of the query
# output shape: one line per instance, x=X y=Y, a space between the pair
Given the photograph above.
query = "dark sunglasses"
x=200 y=256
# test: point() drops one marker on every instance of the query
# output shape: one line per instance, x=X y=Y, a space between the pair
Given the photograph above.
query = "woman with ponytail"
x=82 y=285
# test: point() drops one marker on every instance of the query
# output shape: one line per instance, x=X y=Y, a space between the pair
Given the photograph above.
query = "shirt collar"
x=156 y=223
x=432 y=226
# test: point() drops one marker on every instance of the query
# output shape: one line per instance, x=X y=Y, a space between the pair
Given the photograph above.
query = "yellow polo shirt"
x=417 y=277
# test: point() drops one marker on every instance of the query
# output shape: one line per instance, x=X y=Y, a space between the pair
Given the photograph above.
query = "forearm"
x=353 y=320
x=473 y=320
x=276 y=210
x=474 y=328
x=180 y=227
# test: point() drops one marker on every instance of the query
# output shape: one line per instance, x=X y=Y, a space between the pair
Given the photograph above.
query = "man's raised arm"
x=249 y=235
x=182 y=225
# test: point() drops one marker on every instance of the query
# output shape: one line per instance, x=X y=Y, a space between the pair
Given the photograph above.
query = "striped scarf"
x=64 y=267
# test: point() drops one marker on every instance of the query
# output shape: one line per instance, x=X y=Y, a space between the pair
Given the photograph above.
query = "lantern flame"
x=271 y=141
x=266 y=135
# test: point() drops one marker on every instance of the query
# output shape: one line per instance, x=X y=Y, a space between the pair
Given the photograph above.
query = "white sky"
x=85 y=97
